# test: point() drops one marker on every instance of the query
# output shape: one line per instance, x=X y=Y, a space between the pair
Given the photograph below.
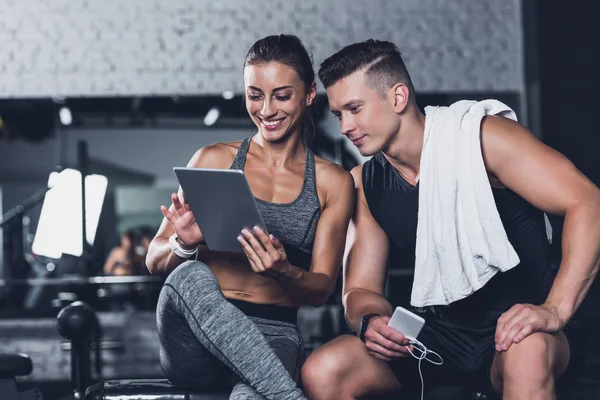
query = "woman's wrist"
x=288 y=273
x=186 y=246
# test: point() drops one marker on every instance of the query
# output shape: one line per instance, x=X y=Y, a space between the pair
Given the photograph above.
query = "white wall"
x=143 y=47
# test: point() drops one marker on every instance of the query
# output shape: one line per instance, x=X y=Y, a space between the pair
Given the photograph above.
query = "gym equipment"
x=155 y=389
x=77 y=322
x=11 y=366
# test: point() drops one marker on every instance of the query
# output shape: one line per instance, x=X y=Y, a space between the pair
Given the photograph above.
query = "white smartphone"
x=407 y=323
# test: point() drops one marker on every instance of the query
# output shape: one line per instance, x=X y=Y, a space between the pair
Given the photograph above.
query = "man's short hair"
x=381 y=60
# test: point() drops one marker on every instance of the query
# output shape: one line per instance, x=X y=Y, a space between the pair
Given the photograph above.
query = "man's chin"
x=365 y=151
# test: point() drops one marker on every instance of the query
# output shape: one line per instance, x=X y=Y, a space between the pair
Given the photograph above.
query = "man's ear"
x=401 y=96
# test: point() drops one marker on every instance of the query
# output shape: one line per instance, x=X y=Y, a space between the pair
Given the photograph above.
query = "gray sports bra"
x=295 y=223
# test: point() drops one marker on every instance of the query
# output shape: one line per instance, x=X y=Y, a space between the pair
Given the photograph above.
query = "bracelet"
x=180 y=251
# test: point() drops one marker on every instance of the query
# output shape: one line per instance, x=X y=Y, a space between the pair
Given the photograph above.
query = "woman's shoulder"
x=330 y=175
x=329 y=168
x=216 y=155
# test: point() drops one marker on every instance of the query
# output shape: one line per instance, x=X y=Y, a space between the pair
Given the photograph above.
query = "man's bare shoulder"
x=356 y=173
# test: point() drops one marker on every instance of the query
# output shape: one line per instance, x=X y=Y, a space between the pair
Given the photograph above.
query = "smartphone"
x=407 y=323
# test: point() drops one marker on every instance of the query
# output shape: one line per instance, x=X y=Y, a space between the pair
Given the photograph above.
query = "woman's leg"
x=184 y=360
x=286 y=341
x=193 y=292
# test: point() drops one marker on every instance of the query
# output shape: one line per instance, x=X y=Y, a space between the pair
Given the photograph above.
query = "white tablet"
x=222 y=203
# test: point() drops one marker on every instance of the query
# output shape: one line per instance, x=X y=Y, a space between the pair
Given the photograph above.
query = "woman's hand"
x=183 y=222
x=265 y=253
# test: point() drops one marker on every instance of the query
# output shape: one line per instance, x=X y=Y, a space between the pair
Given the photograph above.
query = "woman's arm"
x=266 y=254
x=160 y=259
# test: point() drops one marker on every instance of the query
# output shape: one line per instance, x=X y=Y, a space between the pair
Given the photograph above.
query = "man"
x=508 y=338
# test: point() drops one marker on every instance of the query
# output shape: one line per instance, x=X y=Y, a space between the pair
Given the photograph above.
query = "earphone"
x=424 y=351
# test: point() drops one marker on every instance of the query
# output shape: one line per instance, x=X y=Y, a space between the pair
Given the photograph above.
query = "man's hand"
x=384 y=342
x=524 y=319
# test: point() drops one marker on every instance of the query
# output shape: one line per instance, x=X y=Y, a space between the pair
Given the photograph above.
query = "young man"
x=510 y=337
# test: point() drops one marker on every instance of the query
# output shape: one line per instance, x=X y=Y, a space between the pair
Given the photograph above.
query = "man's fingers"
x=380 y=325
x=504 y=336
x=523 y=333
x=379 y=356
x=393 y=335
x=385 y=352
x=386 y=343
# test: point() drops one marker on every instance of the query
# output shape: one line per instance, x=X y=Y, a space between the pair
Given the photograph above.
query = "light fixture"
x=65 y=116
x=59 y=227
x=211 y=116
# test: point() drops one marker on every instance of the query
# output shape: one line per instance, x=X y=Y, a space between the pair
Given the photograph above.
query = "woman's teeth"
x=272 y=123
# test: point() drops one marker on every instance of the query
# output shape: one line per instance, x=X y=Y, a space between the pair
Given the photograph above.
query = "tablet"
x=222 y=203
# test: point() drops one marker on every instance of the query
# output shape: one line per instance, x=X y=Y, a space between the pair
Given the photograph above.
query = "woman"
x=226 y=315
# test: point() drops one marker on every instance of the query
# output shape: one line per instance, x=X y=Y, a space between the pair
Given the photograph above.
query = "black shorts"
x=467 y=351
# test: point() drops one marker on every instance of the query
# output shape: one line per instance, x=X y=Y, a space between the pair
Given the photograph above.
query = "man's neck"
x=404 y=151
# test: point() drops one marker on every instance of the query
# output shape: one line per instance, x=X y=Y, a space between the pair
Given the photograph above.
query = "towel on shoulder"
x=461 y=242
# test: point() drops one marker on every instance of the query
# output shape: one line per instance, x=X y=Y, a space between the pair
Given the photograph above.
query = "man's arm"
x=550 y=182
x=365 y=263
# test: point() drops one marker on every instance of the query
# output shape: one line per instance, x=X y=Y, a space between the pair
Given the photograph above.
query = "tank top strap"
x=240 y=157
x=310 y=173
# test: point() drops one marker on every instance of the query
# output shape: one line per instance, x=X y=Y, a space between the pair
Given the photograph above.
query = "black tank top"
x=393 y=202
x=295 y=223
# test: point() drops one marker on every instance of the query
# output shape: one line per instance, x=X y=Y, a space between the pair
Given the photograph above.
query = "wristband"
x=180 y=251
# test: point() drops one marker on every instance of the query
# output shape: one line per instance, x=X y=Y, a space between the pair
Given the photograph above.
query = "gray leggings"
x=207 y=343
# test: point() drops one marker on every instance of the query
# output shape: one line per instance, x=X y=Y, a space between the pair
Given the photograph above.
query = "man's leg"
x=527 y=370
x=342 y=369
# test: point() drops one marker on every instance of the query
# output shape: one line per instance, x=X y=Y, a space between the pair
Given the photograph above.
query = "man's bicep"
x=367 y=252
x=538 y=173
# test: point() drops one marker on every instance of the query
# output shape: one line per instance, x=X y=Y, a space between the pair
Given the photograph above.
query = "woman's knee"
x=190 y=283
x=192 y=273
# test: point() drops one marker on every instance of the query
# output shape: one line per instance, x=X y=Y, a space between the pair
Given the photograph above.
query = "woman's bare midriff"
x=239 y=282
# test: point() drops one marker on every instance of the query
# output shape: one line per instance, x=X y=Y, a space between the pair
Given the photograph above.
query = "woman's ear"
x=312 y=92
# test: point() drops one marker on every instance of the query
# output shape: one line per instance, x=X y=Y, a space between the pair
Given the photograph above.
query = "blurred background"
x=123 y=91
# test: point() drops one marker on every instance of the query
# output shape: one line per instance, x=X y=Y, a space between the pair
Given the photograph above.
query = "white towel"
x=461 y=242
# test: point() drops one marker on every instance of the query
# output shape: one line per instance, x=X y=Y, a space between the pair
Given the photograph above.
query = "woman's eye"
x=283 y=98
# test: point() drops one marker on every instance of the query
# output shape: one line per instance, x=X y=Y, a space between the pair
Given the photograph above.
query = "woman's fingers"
x=184 y=202
x=274 y=253
x=177 y=204
x=254 y=259
x=168 y=214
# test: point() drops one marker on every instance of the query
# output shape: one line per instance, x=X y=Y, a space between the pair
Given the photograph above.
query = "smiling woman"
x=233 y=315
x=280 y=87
